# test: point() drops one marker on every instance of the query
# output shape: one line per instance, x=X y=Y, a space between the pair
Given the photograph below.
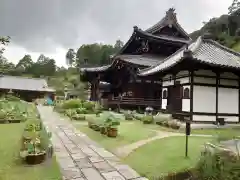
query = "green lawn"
x=237 y=47
x=11 y=167
x=227 y=132
x=128 y=132
x=165 y=155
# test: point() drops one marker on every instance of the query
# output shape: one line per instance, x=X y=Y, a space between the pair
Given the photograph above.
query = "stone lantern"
x=65 y=92
x=148 y=110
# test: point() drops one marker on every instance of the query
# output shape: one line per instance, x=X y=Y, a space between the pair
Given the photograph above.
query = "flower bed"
x=166 y=122
x=76 y=108
x=13 y=111
x=106 y=126
x=35 y=142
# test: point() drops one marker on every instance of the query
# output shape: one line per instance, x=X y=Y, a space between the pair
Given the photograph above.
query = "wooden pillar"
x=217 y=85
x=239 y=99
x=191 y=94
x=92 y=95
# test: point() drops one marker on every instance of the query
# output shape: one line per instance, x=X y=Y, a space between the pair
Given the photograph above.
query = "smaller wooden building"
x=26 y=88
x=200 y=82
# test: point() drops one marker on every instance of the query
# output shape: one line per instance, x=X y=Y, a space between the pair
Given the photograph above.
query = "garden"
x=24 y=143
x=163 y=157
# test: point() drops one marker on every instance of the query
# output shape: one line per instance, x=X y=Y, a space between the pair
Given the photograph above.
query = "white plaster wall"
x=204 y=80
x=186 y=102
x=168 y=83
x=230 y=118
x=205 y=72
x=228 y=75
x=186 y=105
x=182 y=73
x=227 y=100
x=183 y=80
x=228 y=82
x=164 y=103
x=213 y=118
x=204 y=118
x=204 y=99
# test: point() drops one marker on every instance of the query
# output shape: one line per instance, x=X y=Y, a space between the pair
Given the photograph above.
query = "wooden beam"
x=191 y=94
x=217 y=87
x=239 y=99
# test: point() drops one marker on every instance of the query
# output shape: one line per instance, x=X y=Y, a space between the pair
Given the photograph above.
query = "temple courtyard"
x=139 y=150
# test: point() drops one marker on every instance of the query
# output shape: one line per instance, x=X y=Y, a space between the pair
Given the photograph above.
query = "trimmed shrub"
x=148 y=119
x=79 y=117
x=174 y=124
x=88 y=105
x=72 y=104
x=128 y=115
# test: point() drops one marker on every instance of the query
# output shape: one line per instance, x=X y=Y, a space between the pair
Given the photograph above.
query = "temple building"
x=162 y=67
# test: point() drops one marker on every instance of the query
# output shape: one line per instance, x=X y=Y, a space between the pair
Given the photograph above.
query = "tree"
x=235 y=6
x=118 y=45
x=71 y=57
x=3 y=41
x=25 y=63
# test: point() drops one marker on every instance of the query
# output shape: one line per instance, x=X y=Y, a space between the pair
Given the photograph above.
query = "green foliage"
x=224 y=29
x=72 y=104
x=97 y=54
x=166 y=122
x=129 y=115
x=147 y=119
x=14 y=111
x=220 y=165
x=70 y=57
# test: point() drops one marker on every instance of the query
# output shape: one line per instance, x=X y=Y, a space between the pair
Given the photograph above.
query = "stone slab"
x=66 y=162
x=96 y=159
x=71 y=173
x=91 y=174
x=103 y=166
x=127 y=172
x=78 y=155
x=114 y=175
x=83 y=163
x=89 y=152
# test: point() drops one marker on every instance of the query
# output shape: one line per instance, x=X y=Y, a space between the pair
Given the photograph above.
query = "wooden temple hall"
x=164 y=68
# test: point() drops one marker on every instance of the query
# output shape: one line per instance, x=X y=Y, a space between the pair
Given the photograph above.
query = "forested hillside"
x=59 y=77
x=224 y=29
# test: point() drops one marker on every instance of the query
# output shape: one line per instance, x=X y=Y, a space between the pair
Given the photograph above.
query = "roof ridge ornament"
x=171 y=17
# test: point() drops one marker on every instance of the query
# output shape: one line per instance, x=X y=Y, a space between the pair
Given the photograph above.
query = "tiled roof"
x=143 y=60
x=95 y=69
x=169 y=19
x=203 y=50
x=24 y=83
x=163 y=37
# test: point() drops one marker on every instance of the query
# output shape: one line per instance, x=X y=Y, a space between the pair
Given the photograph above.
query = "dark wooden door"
x=175 y=98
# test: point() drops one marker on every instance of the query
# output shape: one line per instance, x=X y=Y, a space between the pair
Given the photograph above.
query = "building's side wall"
x=204 y=99
x=169 y=80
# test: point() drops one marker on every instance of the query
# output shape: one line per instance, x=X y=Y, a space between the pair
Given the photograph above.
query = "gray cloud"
x=41 y=25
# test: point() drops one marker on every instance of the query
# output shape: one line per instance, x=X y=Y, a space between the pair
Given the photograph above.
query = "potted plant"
x=147 y=119
x=112 y=124
x=31 y=150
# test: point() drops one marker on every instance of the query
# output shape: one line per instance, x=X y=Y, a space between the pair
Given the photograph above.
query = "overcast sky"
x=52 y=26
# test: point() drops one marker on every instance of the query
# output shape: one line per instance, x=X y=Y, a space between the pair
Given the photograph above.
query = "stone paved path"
x=79 y=157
